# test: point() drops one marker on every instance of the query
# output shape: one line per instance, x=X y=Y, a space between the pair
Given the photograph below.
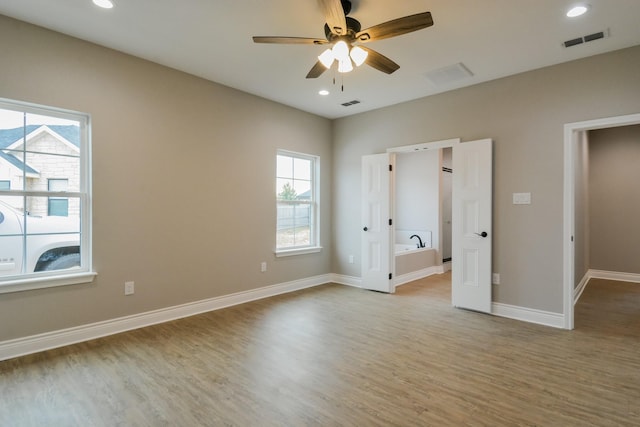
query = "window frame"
x=314 y=203
x=84 y=274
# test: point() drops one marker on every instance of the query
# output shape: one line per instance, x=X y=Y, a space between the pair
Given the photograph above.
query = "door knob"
x=483 y=234
x=365 y=229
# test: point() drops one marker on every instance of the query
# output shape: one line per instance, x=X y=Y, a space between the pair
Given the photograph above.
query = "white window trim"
x=316 y=247
x=49 y=281
x=86 y=274
x=299 y=251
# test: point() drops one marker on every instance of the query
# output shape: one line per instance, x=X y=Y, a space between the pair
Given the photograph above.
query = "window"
x=45 y=204
x=297 y=203
x=58 y=206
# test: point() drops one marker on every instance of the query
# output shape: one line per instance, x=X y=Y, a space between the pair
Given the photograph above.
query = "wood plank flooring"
x=339 y=356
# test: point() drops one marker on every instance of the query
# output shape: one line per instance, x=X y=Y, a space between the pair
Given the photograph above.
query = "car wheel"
x=64 y=261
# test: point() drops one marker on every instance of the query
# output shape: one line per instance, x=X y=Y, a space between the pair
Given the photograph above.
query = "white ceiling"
x=212 y=39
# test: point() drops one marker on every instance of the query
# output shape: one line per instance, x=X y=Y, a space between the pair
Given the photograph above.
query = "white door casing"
x=471 y=229
x=377 y=232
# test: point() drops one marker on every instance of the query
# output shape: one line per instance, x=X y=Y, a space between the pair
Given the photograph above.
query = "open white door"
x=471 y=243
x=377 y=258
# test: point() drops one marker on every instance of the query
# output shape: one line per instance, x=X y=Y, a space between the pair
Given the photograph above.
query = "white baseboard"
x=601 y=274
x=46 y=341
x=341 y=279
x=531 y=315
x=419 y=274
x=614 y=275
x=578 y=290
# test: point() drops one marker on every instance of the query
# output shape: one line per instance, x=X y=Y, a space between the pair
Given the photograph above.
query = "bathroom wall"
x=417 y=193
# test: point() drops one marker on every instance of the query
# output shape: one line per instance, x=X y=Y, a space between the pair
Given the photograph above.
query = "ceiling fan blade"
x=316 y=70
x=288 y=40
x=379 y=61
x=396 y=27
x=334 y=16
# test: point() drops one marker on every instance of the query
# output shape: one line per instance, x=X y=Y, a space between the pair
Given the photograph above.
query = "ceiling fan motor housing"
x=353 y=27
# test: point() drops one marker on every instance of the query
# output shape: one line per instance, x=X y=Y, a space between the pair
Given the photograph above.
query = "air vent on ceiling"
x=448 y=75
x=350 y=103
x=586 y=39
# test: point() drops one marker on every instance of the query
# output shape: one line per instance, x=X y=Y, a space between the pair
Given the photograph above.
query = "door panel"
x=377 y=257
x=472 y=232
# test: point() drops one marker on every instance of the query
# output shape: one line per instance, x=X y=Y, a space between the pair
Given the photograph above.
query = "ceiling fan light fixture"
x=345 y=66
x=341 y=51
x=326 y=58
x=359 y=55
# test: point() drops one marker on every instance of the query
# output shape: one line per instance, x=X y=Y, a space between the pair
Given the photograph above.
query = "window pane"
x=293 y=225
x=284 y=167
x=303 y=190
x=302 y=169
x=5 y=184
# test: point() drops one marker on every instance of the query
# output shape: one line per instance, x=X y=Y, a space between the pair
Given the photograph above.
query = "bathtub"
x=412 y=262
x=403 y=249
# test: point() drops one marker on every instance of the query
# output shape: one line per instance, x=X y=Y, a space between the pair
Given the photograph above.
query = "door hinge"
x=390 y=275
x=390 y=168
x=390 y=221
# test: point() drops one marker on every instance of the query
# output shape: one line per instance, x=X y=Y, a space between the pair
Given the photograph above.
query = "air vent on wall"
x=586 y=39
x=350 y=103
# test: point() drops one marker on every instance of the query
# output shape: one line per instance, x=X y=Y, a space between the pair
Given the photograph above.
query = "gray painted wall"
x=525 y=116
x=154 y=126
x=614 y=195
x=183 y=180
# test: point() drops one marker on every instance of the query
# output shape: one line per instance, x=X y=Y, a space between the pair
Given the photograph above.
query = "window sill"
x=18 y=285
x=302 y=251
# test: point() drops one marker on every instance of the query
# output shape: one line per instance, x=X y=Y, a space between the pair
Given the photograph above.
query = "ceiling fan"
x=343 y=32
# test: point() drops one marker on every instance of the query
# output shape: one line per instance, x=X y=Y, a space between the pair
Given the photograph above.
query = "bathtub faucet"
x=420 y=245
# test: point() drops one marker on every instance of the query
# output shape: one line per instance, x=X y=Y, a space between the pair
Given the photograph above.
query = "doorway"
x=471 y=221
x=575 y=138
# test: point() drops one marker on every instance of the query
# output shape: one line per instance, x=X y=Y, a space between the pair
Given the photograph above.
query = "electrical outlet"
x=129 y=288
x=495 y=279
x=263 y=267
x=350 y=259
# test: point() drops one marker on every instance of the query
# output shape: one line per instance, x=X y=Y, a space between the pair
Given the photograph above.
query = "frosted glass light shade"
x=341 y=51
x=359 y=55
x=326 y=58
x=345 y=66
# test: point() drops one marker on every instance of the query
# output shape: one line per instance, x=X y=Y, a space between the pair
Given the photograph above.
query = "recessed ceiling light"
x=323 y=92
x=105 y=4
x=578 y=10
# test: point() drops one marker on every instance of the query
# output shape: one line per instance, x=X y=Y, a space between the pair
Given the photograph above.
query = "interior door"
x=377 y=231
x=471 y=231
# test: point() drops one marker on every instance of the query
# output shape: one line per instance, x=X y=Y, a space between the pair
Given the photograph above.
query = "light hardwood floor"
x=335 y=355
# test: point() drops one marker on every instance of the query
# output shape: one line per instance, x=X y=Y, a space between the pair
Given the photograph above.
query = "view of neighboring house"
x=49 y=162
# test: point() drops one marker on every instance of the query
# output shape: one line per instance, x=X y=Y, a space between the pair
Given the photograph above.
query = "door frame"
x=571 y=133
x=415 y=148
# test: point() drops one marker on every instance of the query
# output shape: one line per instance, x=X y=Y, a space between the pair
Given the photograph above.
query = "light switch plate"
x=521 y=198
